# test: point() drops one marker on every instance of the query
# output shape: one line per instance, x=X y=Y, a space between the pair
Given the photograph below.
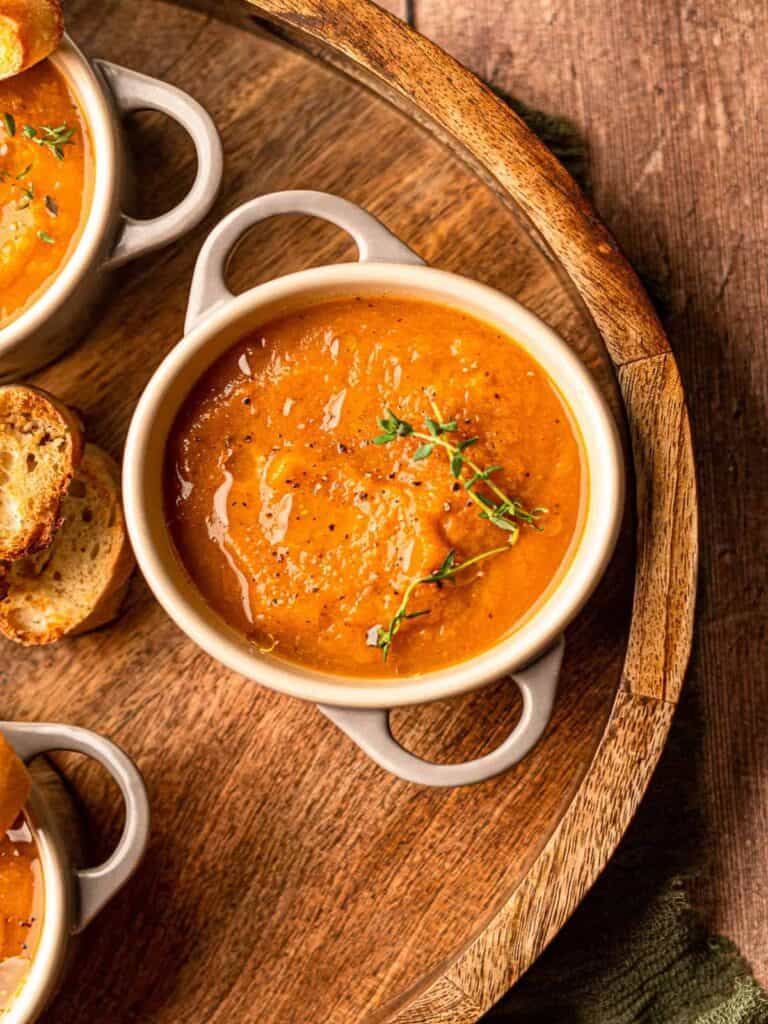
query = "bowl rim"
x=47 y=963
x=96 y=108
x=183 y=603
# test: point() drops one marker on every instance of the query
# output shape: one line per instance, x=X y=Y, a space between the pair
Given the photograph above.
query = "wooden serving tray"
x=289 y=879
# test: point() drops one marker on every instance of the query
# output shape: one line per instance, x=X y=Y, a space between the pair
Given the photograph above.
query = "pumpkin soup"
x=374 y=486
x=21 y=906
x=44 y=183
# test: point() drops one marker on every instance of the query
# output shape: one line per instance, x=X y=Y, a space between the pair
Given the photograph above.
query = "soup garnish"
x=381 y=637
x=504 y=512
x=316 y=543
x=499 y=509
x=44 y=181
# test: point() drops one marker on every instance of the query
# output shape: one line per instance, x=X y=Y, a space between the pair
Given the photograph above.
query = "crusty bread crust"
x=107 y=607
x=55 y=449
x=78 y=583
x=30 y=30
x=14 y=785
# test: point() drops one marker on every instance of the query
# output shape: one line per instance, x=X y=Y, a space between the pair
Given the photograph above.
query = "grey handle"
x=95 y=886
x=132 y=92
x=369 y=728
x=375 y=244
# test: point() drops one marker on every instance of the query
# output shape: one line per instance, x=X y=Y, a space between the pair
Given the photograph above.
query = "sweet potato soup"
x=44 y=183
x=375 y=487
x=21 y=907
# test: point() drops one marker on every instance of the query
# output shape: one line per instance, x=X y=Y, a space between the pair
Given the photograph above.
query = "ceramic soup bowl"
x=215 y=320
x=71 y=897
x=106 y=92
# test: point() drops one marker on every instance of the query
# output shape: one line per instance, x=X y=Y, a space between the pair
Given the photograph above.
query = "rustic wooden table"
x=671 y=101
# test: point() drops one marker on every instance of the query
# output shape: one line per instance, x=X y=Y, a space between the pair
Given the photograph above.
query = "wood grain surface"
x=671 y=101
x=289 y=879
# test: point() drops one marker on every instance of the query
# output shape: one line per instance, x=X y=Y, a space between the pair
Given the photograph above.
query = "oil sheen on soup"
x=44 y=183
x=304 y=511
x=21 y=908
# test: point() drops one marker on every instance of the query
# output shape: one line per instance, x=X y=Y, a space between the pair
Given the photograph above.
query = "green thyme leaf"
x=10 y=123
x=53 y=139
x=501 y=522
x=449 y=563
x=401 y=428
x=437 y=429
x=423 y=452
x=479 y=477
x=29 y=195
x=45 y=237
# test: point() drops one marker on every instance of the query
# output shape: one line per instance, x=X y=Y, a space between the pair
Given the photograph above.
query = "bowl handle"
x=375 y=244
x=132 y=92
x=95 y=886
x=369 y=728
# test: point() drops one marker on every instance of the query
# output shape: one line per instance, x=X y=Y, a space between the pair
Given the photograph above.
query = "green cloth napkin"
x=636 y=951
x=652 y=965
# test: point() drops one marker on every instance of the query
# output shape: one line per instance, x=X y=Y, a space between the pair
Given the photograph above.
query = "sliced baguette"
x=41 y=444
x=79 y=582
x=14 y=785
x=30 y=30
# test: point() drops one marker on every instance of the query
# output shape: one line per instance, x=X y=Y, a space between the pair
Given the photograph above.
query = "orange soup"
x=375 y=487
x=21 y=905
x=44 y=170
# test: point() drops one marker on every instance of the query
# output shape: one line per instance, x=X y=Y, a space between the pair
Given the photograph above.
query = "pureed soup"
x=21 y=908
x=44 y=183
x=375 y=487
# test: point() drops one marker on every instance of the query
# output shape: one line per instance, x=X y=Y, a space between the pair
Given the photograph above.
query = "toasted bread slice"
x=79 y=582
x=41 y=444
x=14 y=785
x=30 y=30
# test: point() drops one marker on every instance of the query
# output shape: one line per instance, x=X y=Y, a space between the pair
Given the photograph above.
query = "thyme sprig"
x=54 y=139
x=498 y=508
x=383 y=637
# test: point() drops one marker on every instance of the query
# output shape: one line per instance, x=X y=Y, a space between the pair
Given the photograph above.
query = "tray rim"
x=416 y=75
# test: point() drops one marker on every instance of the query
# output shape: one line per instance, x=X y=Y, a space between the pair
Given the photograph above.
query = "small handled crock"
x=72 y=897
x=532 y=655
x=109 y=237
x=369 y=727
